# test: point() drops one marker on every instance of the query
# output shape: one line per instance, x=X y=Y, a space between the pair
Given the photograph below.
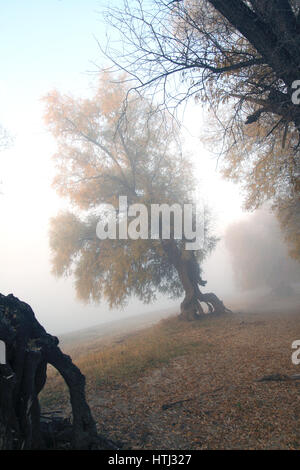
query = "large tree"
x=242 y=59
x=104 y=152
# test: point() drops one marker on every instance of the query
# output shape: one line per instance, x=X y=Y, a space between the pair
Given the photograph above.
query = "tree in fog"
x=258 y=255
x=106 y=151
x=241 y=59
x=288 y=215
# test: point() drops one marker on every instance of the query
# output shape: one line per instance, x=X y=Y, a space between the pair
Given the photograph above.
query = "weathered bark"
x=271 y=27
x=28 y=350
x=273 y=30
x=189 y=275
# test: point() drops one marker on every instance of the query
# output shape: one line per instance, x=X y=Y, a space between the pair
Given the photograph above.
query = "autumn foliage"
x=240 y=59
x=113 y=145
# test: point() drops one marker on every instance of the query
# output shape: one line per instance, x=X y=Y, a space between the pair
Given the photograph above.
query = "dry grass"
x=207 y=371
x=127 y=358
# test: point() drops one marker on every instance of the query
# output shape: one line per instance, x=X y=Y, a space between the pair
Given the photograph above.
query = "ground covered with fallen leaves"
x=204 y=394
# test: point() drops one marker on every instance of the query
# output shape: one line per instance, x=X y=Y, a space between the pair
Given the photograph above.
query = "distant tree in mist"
x=259 y=255
x=288 y=212
x=106 y=151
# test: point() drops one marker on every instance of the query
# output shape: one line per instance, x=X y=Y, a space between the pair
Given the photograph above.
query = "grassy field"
x=113 y=359
x=178 y=385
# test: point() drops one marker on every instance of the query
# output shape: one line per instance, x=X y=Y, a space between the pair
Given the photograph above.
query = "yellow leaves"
x=64 y=232
x=98 y=159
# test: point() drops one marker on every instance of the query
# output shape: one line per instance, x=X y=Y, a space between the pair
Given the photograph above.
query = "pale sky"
x=51 y=44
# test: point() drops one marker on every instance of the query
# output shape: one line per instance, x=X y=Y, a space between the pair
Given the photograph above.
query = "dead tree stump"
x=29 y=348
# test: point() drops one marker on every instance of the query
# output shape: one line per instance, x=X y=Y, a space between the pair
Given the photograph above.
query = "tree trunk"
x=191 y=308
x=28 y=350
x=189 y=275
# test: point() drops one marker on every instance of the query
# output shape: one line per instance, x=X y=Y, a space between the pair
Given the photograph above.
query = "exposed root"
x=215 y=305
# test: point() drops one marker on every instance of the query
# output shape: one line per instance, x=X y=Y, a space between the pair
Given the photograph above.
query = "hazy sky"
x=51 y=44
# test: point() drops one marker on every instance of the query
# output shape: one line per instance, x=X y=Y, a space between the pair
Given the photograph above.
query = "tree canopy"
x=106 y=151
x=241 y=59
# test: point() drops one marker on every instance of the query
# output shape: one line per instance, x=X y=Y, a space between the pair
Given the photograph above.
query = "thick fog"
x=259 y=258
x=37 y=56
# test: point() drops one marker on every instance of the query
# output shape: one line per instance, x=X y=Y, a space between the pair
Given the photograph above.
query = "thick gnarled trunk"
x=191 y=308
x=28 y=351
x=189 y=275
